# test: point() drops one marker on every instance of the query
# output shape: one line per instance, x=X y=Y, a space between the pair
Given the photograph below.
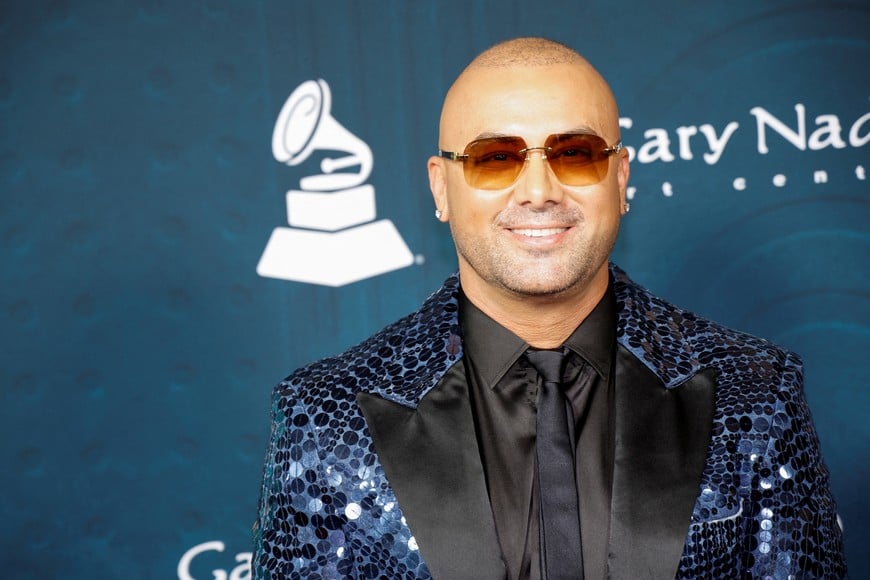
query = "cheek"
x=470 y=207
x=610 y=195
x=470 y=221
x=603 y=208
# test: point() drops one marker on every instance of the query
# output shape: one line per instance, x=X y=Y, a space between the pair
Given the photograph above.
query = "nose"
x=537 y=185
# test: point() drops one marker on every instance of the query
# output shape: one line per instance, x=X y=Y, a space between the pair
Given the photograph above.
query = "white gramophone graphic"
x=339 y=242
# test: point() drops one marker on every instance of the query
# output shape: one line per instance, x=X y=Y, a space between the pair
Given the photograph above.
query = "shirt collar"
x=595 y=339
x=494 y=349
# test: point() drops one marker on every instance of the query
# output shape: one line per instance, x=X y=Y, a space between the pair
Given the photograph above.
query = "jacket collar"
x=419 y=349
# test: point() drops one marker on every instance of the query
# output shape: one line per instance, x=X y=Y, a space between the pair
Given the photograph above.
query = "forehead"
x=530 y=102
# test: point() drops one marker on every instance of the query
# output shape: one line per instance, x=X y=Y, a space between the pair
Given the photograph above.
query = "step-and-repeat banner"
x=197 y=197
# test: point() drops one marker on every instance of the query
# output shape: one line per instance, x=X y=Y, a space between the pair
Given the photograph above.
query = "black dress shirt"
x=503 y=388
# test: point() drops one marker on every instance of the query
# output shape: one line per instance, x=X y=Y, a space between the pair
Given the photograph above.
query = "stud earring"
x=438 y=214
x=626 y=207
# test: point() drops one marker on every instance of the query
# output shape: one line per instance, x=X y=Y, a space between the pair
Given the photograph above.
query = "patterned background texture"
x=139 y=190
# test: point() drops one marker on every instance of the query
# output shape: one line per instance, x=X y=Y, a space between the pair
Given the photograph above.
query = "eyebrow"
x=579 y=130
x=492 y=135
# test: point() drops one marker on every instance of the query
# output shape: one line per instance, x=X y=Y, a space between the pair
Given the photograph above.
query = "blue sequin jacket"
x=717 y=471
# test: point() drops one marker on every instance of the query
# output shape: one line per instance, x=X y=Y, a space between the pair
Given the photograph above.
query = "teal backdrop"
x=139 y=191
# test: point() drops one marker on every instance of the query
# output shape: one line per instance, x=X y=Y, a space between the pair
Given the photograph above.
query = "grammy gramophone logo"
x=334 y=238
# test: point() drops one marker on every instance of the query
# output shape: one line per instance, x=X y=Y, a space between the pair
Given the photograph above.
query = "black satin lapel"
x=431 y=460
x=662 y=438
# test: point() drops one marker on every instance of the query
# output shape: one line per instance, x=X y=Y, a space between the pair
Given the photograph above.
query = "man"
x=541 y=416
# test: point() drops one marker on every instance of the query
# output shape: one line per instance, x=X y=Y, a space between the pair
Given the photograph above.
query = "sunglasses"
x=496 y=162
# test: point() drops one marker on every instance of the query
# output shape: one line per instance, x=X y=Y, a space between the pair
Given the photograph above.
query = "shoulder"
x=403 y=352
x=676 y=343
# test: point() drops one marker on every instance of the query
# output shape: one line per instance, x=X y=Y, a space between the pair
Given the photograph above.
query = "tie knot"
x=550 y=364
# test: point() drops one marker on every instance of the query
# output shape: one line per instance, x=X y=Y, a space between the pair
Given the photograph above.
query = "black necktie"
x=561 y=555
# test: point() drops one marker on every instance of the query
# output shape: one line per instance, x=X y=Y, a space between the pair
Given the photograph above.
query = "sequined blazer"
x=372 y=472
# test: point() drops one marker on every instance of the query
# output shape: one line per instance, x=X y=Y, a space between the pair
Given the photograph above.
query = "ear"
x=622 y=173
x=438 y=185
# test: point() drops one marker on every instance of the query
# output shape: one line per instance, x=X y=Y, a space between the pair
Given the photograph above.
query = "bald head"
x=529 y=51
x=528 y=58
x=535 y=238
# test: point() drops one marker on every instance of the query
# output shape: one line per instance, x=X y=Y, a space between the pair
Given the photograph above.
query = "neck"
x=541 y=321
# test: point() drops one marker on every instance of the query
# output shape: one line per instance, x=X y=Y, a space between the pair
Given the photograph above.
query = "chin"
x=537 y=288
x=553 y=282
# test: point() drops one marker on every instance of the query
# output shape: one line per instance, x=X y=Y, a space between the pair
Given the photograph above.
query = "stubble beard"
x=535 y=274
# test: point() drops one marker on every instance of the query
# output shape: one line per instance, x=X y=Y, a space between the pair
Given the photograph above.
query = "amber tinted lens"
x=494 y=163
x=578 y=159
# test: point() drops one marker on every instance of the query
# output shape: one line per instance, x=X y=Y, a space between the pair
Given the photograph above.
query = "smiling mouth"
x=539 y=232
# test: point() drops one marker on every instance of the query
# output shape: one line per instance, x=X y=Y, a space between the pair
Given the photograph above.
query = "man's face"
x=535 y=237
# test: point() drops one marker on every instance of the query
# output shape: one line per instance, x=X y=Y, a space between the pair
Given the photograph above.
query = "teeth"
x=539 y=233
